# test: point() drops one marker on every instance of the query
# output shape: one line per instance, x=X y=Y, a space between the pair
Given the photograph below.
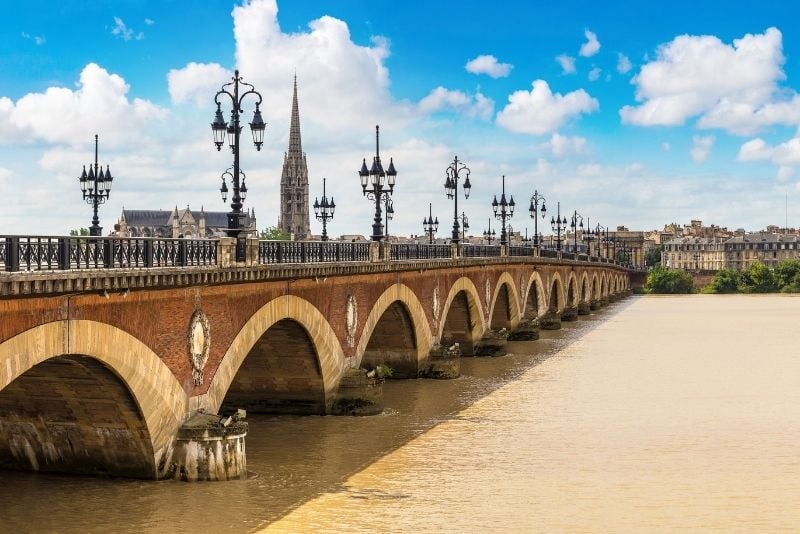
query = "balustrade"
x=418 y=251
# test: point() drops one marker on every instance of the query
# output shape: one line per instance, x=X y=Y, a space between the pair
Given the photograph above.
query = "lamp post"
x=219 y=127
x=503 y=210
x=96 y=188
x=377 y=184
x=323 y=210
x=464 y=225
x=559 y=224
x=574 y=225
x=388 y=208
x=596 y=233
x=430 y=224
x=489 y=234
x=453 y=174
x=534 y=211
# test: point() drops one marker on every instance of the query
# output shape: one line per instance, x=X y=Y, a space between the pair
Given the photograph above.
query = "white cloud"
x=197 y=82
x=623 y=63
x=591 y=46
x=785 y=154
x=60 y=115
x=561 y=145
x=594 y=74
x=446 y=99
x=486 y=64
x=540 y=111
x=38 y=39
x=732 y=87
x=124 y=32
x=567 y=63
x=149 y=22
x=665 y=146
x=701 y=147
x=785 y=173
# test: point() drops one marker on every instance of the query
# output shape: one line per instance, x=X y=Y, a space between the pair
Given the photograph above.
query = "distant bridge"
x=108 y=346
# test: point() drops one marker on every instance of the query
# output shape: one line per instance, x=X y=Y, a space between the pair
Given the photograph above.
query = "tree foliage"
x=653 y=256
x=787 y=276
x=758 y=279
x=273 y=233
x=725 y=281
x=669 y=281
x=79 y=232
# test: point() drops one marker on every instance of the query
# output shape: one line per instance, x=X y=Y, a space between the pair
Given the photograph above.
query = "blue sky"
x=635 y=114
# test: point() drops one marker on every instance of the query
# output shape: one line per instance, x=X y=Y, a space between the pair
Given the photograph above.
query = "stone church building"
x=177 y=223
x=294 y=219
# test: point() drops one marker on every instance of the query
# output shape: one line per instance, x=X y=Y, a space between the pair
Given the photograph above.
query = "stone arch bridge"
x=112 y=370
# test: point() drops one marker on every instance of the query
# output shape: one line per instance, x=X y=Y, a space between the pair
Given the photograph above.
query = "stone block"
x=493 y=343
x=443 y=362
x=210 y=447
x=359 y=394
x=526 y=330
x=550 y=321
x=584 y=308
x=570 y=313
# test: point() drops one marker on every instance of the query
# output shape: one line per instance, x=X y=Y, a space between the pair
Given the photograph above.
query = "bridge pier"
x=359 y=394
x=570 y=313
x=493 y=343
x=550 y=321
x=210 y=447
x=594 y=304
x=443 y=362
x=584 y=308
x=526 y=330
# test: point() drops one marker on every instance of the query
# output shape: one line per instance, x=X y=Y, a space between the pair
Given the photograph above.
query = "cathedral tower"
x=294 y=181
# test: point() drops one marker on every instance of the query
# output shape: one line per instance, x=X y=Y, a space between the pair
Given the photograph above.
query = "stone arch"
x=505 y=295
x=77 y=345
x=603 y=285
x=462 y=316
x=400 y=302
x=595 y=287
x=573 y=295
x=534 y=303
x=328 y=350
x=585 y=295
x=556 y=300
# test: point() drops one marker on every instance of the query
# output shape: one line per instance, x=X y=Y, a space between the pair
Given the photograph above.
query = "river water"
x=655 y=414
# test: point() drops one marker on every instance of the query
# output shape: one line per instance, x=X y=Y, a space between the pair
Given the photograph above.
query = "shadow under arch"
x=292 y=309
x=585 y=293
x=462 y=319
x=504 y=310
x=401 y=344
x=573 y=296
x=556 y=300
x=535 y=302
x=105 y=354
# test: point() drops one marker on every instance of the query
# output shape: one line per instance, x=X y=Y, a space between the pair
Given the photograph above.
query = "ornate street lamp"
x=489 y=234
x=219 y=128
x=323 y=210
x=96 y=188
x=430 y=224
x=574 y=225
x=534 y=211
x=559 y=224
x=377 y=185
x=503 y=211
x=464 y=225
x=453 y=174
x=388 y=208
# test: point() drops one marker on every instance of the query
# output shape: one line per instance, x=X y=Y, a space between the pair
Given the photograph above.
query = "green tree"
x=787 y=275
x=671 y=281
x=758 y=279
x=653 y=256
x=273 y=233
x=725 y=281
x=79 y=232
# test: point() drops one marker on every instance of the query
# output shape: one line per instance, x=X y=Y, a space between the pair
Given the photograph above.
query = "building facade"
x=694 y=254
x=738 y=252
x=178 y=223
x=294 y=219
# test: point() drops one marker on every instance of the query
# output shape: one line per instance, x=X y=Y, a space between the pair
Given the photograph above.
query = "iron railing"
x=47 y=253
x=270 y=252
x=548 y=253
x=480 y=251
x=418 y=251
x=516 y=250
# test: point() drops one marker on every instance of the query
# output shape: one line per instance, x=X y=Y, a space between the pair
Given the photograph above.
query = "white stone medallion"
x=488 y=293
x=351 y=316
x=436 y=304
x=199 y=344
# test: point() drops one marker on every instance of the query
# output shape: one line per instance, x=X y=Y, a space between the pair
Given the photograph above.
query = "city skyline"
x=633 y=116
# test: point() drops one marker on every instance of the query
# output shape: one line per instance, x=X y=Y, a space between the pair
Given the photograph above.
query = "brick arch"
x=161 y=401
x=559 y=297
x=473 y=298
x=328 y=349
x=535 y=281
x=506 y=280
x=412 y=306
x=572 y=284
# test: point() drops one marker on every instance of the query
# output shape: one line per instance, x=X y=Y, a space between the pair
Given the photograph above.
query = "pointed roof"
x=295 y=147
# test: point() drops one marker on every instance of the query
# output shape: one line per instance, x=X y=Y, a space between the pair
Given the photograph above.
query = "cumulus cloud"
x=665 y=146
x=701 y=147
x=591 y=46
x=567 y=63
x=594 y=74
x=540 y=111
x=61 y=115
x=446 y=99
x=785 y=154
x=623 y=63
x=197 y=82
x=733 y=87
x=486 y=64
x=37 y=39
x=562 y=145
